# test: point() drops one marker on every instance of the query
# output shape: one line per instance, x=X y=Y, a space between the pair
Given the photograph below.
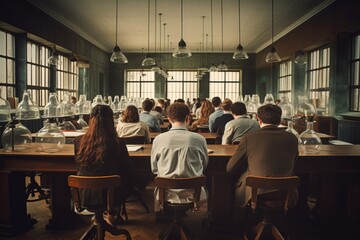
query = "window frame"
x=9 y=81
x=139 y=74
x=285 y=79
x=226 y=85
x=183 y=81
x=354 y=98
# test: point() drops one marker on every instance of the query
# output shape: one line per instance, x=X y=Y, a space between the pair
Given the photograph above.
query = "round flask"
x=16 y=137
x=50 y=138
x=286 y=108
x=291 y=129
x=27 y=109
x=310 y=141
x=51 y=106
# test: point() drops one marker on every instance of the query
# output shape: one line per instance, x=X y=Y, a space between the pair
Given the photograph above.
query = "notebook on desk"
x=133 y=148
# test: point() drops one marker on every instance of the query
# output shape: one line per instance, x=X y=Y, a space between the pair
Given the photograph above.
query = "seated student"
x=220 y=122
x=162 y=104
x=156 y=113
x=206 y=110
x=100 y=152
x=241 y=125
x=179 y=152
x=216 y=102
x=131 y=126
x=146 y=117
x=269 y=152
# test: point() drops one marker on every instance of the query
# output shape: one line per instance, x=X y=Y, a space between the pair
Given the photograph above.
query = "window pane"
x=2 y=43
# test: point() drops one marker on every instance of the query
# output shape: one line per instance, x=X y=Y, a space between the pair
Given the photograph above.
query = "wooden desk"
x=210 y=137
x=13 y=165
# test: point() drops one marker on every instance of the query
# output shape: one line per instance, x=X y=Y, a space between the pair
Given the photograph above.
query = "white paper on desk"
x=210 y=150
x=338 y=142
x=133 y=148
x=73 y=134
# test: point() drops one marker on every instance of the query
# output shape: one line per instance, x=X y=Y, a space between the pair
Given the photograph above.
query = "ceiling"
x=95 y=20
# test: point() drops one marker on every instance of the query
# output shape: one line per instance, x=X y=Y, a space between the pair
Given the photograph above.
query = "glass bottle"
x=97 y=100
x=16 y=137
x=123 y=103
x=247 y=100
x=291 y=129
x=82 y=122
x=27 y=109
x=254 y=104
x=51 y=106
x=5 y=109
x=66 y=107
x=82 y=106
x=310 y=141
x=269 y=99
x=305 y=108
x=50 y=138
x=287 y=108
x=240 y=98
x=115 y=106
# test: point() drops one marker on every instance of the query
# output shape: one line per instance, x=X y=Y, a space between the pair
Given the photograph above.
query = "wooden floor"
x=142 y=226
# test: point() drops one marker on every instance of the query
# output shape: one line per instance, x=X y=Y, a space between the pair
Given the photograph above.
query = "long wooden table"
x=13 y=165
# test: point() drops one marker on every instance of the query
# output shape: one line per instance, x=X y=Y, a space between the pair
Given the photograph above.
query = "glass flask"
x=82 y=122
x=240 y=98
x=254 y=104
x=16 y=137
x=247 y=100
x=123 y=103
x=5 y=109
x=50 y=138
x=66 y=107
x=98 y=100
x=269 y=99
x=66 y=125
x=305 y=108
x=109 y=101
x=27 y=109
x=115 y=105
x=287 y=108
x=310 y=141
x=83 y=106
x=51 y=106
x=291 y=129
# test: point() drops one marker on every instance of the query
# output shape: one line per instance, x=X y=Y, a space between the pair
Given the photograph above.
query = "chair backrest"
x=109 y=182
x=195 y=183
x=134 y=140
x=287 y=184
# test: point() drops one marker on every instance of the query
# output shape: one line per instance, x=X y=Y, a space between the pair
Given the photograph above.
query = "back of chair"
x=180 y=183
x=134 y=140
x=287 y=184
x=109 y=182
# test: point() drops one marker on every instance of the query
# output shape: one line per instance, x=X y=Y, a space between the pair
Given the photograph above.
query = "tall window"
x=140 y=84
x=319 y=78
x=182 y=84
x=67 y=77
x=225 y=85
x=7 y=64
x=38 y=72
x=355 y=75
x=285 y=79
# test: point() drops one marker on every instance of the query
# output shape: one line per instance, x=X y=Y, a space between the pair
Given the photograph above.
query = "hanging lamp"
x=155 y=68
x=222 y=66
x=202 y=67
x=148 y=61
x=212 y=68
x=117 y=56
x=240 y=53
x=272 y=56
x=181 y=51
x=54 y=58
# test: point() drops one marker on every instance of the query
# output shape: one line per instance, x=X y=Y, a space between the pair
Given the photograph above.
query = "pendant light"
x=272 y=56
x=202 y=67
x=181 y=51
x=117 y=56
x=148 y=61
x=222 y=66
x=54 y=58
x=240 y=52
x=155 y=68
x=212 y=68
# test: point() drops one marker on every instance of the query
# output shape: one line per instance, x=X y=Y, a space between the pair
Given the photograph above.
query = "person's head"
x=269 y=114
x=206 y=109
x=178 y=112
x=238 y=108
x=94 y=144
x=226 y=105
x=130 y=115
x=147 y=105
x=158 y=109
x=277 y=101
x=180 y=100
x=153 y=102
x=73 y=99
x=216 y=101
x=161 y=102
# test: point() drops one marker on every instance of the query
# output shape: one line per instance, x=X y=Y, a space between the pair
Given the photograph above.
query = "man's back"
x=237 y=128
x=150 y=120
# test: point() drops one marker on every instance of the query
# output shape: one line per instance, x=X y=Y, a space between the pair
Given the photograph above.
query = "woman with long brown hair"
x=131 y=126
x=206 y=109
x=100 y=152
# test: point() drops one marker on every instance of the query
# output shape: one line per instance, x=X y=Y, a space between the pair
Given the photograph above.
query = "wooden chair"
x=177 y=230
x=270 y=205
x=97 y=182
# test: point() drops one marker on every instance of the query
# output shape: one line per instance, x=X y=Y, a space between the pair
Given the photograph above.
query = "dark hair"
x=238 y=108
x=216 y=101
x=177 y=112
x=226 y=104
x=130 y=115
x=158 y=109
x=180 y=100
x=94 y=144
x=270 y=114
x=147 y=105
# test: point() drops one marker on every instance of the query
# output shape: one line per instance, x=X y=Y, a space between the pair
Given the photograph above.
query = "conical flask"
x=310 y=141
x=27 y=109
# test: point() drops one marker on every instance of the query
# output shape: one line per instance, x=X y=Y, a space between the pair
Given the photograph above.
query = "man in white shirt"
x=216 y=101
x=179 y=152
